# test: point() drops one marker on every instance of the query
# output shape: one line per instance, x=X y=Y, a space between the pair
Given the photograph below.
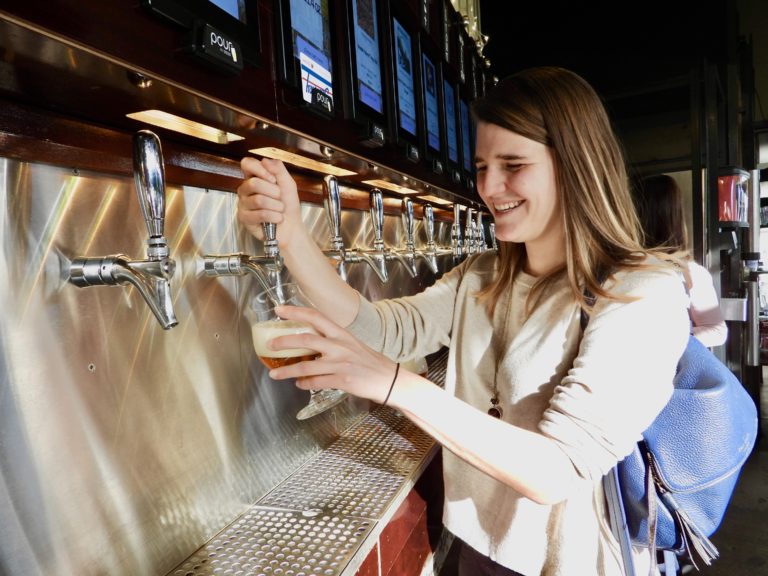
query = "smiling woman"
x=533 y=412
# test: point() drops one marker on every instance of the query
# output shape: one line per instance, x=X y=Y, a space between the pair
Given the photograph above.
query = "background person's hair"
x=560 y=109
x=659 y=204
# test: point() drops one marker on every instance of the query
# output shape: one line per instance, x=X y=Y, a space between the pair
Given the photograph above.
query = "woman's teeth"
x=506 y=207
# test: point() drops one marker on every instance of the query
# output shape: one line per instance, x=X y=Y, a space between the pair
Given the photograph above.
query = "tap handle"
x=271 y=249
x=469 y=231
x=149 y=175
x=456 y=231
x=377 y=217
x=332 y=201
x=408 y=221
x=479 y=231
x=429 y=224
x=492 y=231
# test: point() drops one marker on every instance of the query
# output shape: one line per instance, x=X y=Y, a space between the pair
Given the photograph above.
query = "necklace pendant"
x=495 y=410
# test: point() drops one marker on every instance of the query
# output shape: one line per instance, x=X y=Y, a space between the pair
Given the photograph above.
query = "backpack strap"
x=617 y=518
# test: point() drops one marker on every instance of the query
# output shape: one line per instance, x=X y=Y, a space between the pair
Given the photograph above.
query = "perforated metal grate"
x=312 y=523
x=360 y=473
x=276 y=542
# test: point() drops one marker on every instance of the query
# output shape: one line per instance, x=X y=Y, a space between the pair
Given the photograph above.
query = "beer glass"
x=266 y=325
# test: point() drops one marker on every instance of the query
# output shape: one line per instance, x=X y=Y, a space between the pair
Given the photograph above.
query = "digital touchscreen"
x=367 y=54
x=466 y=136
x=311 y=35
x=431 y=103
x=235 y=8
x=406 y=100
x=449 y=94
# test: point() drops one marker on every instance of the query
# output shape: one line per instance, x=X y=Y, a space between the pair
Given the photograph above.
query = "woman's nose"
x=492 y=181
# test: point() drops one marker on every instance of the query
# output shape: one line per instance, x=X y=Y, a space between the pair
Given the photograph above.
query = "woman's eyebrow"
x=504 y=157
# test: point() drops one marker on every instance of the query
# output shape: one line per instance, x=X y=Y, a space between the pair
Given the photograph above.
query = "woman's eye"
x=479 y=168
x=513 y=167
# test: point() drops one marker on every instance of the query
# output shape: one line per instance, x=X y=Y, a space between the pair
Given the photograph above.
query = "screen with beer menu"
x=449 y=95
x=311 y=42
x=466 y=137
x=431 y=103
x=406 y=92
x=368 y=54
x=235 y=8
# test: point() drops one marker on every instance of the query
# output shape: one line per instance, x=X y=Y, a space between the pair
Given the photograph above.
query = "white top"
x=707 y=318
x=593 y=395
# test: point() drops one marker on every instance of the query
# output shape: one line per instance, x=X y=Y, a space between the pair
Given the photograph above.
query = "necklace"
x=499 y=341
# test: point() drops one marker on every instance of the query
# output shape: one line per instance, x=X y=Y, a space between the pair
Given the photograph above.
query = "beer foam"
x=263 y=332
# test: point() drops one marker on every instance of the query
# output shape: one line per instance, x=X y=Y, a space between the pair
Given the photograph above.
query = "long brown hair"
x=560 y=109
x=659 y=204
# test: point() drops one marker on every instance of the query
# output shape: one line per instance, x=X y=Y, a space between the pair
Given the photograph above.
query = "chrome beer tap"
x=456 y=243
x=430 y=254
x=480 y=233
x=151 y=277
x=492 y=231
x=410 y=252
x=338 y=252
x=470 y=237
x=332 y=201
x=266 y=268
x=378 y=256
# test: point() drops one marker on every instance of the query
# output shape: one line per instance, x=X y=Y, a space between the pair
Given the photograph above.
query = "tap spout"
x=150 y=278
x=265 y=269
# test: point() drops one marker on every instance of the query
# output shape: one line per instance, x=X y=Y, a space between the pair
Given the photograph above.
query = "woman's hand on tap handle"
x=344 y=363
x=268 y=194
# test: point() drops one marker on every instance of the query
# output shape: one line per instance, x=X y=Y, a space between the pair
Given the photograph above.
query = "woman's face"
x=516 y=180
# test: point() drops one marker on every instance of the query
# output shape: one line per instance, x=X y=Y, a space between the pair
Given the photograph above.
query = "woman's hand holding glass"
x=344 y=363
x=267 y=323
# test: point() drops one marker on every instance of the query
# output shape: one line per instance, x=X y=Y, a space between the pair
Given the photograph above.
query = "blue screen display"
x=465 y=136
x=367 y=54
x=312 y=46
x=431 y=103
x=406 y=100
x=235 y=8
x=449 y=95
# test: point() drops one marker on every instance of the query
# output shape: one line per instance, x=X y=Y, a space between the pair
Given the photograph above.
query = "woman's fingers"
x=253 y=167
x=314 y=318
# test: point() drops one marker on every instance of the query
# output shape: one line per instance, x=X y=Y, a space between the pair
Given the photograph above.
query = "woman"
x=659 y=203
x=522 y=491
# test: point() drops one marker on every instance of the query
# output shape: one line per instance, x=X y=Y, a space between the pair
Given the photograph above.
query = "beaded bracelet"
x=397 y=370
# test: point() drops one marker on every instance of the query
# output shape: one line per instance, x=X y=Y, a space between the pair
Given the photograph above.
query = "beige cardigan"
x=593 y=395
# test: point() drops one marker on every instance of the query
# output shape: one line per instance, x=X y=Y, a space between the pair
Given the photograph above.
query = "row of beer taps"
x=152 y=276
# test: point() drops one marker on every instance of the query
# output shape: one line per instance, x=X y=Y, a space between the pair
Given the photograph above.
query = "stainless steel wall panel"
x=124 y=447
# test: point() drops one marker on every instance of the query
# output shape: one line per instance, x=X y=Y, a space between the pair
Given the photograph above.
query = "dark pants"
x=472 y=563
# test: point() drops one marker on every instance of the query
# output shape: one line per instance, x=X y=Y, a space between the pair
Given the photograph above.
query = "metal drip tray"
x=314 y=522
x=360 y=473
x=279 y=542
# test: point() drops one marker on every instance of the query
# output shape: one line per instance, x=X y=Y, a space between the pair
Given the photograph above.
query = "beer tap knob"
x=408 y=223
x=480 y=232
x=456 y=244
x=149 y=176
x=469 y=232
x=429 y=227
x=332 y=202
x=377 y=219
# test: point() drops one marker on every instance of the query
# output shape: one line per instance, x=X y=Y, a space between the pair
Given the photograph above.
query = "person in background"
x=534 y=411
x=659 y=203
